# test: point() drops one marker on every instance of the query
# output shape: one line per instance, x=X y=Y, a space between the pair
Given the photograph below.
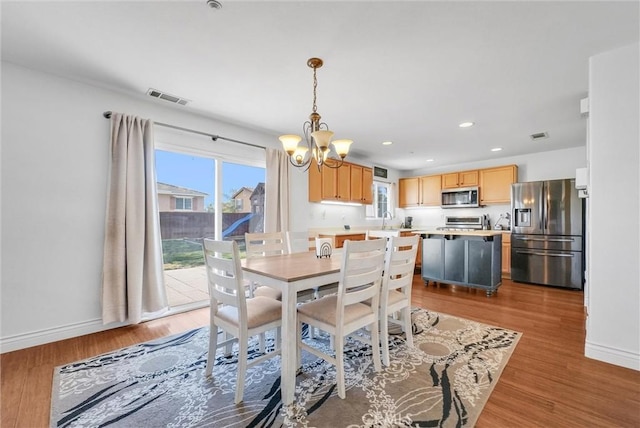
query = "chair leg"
x=375 y=345
x=278 y=340
x=242 y=366
x=340 y=367
x=384 y=336
x=213 y=345
x=261 y=341
x=229 y=347
x=408 y=327
x=298 y=342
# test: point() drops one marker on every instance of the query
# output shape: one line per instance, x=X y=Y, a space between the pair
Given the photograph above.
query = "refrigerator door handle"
x=536 y=253
x=541 y=205
x=547 y=239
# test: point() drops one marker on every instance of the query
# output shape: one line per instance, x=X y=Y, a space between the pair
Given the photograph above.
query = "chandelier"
x=317 y=138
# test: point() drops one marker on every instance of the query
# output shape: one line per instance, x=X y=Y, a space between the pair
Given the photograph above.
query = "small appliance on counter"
x=407 y=222
x=503 y=223
x=465 y=224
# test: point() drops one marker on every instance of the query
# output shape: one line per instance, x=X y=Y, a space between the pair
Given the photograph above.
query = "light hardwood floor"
x=547 y=383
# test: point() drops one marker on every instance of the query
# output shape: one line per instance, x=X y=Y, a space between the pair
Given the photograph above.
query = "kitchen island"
x=466 y=258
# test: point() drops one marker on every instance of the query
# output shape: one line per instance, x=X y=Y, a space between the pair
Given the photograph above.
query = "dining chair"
x=395 y=295
x=299 y=242
x=379 y=233
x=237 y=316
x=344 y=313
x=261 y=245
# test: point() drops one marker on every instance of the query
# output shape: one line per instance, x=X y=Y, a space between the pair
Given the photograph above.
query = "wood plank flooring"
x=547 y=383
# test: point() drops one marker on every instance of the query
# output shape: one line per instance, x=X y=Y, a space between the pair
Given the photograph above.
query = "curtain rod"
x=107 y=114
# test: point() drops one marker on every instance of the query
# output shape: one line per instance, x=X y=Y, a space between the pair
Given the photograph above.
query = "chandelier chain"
x=315 y=85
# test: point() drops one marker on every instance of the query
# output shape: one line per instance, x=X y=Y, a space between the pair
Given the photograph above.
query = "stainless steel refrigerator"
x=547 y=241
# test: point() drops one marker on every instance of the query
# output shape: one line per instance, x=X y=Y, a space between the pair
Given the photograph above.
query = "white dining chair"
x=299 y=242
x=379 y=233
x=261 y=245
x=345 y=313
x=395 y=295
x=233 y=313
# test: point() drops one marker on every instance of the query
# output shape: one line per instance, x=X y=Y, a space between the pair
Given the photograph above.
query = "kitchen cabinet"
x=349 y=183
x=361 y=184
x=420 y=191
x=495 y=184
x=466 y=260
x=338 y=240
x=454 y=180
x=506 y=255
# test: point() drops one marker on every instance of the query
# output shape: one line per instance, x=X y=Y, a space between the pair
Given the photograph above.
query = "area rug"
x=444 y=380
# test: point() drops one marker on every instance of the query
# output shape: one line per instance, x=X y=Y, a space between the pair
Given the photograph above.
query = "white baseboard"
x=614 y=356
x=27 y=340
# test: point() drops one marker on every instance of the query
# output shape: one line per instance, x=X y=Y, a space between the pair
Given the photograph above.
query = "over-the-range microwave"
x=466 y=197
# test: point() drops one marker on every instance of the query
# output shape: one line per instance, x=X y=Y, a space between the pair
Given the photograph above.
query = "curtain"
x=132 y=275
x=276 y=216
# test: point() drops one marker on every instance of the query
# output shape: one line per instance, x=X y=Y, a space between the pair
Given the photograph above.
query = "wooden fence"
x=198 y=225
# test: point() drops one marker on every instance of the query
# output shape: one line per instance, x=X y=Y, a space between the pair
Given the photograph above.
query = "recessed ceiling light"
x=387 y=143
x=496 y=149
x=466 y=124
x=429 y=160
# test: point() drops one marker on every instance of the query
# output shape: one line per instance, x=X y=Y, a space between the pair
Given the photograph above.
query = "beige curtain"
x=132 y=275
x=276 y=216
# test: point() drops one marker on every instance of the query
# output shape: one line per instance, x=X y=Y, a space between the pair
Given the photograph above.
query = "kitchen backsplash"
x=329 y=216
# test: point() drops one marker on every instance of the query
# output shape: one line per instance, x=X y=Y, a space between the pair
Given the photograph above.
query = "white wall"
x=55 y=151
x=613 y=324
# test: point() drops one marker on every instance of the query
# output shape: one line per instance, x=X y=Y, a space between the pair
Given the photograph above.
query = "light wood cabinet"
x=361 y=184
x=338 y=240
x=419 y=191
x=495 y=184
x=506 y=255
x=460 y=179
x=349 y=183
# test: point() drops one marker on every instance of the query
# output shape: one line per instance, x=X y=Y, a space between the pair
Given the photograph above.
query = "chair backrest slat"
x=400 y=261
x=224 y=274
x=300 y=242
x=265 y=244
x=361 y=271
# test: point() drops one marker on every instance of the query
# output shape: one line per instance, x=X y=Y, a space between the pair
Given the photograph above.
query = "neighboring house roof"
x=240 y=190
x=259 y=190
x=170 y=189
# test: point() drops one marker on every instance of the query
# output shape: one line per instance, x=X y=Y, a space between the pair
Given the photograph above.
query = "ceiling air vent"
x=167 y=97
x=539 y=136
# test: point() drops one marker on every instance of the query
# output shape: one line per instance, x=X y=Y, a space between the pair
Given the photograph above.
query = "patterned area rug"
x=444 y=380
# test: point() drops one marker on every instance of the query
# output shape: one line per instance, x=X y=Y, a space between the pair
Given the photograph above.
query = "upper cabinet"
x=495 y=184
x=419 y=191
x=349 y=183
x=460 y=179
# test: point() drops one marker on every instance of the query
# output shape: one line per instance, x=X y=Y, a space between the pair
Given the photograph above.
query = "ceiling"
x=402 y=71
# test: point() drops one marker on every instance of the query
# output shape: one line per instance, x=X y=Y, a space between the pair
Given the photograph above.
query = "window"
x=184 y=204
x=239 y=205
x=382 y=198
x=193 y=207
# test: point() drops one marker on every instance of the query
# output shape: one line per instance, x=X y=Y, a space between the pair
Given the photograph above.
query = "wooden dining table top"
x=293 y=267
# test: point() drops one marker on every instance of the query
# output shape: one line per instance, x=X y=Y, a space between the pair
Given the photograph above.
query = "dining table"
x=291 y=273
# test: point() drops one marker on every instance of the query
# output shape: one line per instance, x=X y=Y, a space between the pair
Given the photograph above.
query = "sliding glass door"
x=191 y=202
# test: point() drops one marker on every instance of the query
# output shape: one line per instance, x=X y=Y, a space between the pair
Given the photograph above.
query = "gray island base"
x=470 y=259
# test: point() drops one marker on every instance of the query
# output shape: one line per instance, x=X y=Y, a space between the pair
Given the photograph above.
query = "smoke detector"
x=167 y=97
x=539 y=136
